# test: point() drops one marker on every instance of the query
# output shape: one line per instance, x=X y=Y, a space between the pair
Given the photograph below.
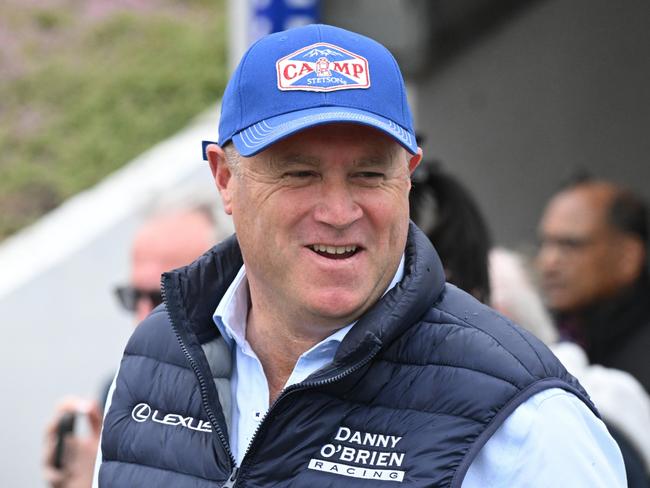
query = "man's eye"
x=299 y=174
x=369 y=177
x=566 y=244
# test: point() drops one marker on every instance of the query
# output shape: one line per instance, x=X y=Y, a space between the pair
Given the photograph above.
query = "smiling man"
x=320 y=345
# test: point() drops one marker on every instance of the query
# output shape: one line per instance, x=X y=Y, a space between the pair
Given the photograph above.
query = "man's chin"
x=339 y=308
x=555 y=298
x=559 y=307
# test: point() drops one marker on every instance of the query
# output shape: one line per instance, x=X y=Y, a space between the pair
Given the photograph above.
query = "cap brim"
x=261 y=135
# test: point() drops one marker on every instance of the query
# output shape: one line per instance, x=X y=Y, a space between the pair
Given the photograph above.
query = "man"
x=167 y=240
x=594 y=271
x=320 y=346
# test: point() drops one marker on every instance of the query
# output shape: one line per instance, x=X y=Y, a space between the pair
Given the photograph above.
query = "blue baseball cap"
x=308 y=76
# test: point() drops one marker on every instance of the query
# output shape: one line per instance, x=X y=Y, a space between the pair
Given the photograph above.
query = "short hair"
x=629 y=214
x=190 y=200
x=232 y=157
x=447 y=213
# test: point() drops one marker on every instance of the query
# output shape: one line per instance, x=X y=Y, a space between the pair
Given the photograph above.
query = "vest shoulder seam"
x=465 y=324
x=448 y=365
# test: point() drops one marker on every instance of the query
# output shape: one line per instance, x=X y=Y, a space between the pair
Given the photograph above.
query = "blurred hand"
x=79 y=451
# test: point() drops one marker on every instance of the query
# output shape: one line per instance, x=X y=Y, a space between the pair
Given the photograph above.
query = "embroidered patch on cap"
x=322 y=67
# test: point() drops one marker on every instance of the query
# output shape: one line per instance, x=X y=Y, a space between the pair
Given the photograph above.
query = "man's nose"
x=337 y=205
x=548 y=257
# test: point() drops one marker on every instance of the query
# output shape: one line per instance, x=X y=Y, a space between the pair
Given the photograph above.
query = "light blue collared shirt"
x=552 y=439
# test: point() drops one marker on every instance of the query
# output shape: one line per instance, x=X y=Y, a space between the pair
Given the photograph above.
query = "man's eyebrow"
x=292 y=159
x=374 y=161
x=379 y=159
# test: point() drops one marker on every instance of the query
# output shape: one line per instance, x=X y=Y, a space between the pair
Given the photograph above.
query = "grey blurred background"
x=515 y=96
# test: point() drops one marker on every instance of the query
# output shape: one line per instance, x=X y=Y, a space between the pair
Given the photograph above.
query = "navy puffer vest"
x=417 y=387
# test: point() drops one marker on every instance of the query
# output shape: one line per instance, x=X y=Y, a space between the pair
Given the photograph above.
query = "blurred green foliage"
x=98 y=92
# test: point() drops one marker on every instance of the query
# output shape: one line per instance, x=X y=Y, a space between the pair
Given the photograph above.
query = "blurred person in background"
x=593 y=265
x=622 y=401
x=447 y=213
x=171 y=237
x=450 y=217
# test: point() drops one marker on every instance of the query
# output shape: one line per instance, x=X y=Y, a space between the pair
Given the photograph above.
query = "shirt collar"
x=232 y=312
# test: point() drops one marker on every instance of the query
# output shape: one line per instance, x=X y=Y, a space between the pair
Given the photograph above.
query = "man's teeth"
x=333 y=249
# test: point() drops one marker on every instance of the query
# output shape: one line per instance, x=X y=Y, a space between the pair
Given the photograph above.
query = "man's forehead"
x=578 y=209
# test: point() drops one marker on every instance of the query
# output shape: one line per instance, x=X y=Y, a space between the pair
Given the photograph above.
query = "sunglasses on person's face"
x=129 y=296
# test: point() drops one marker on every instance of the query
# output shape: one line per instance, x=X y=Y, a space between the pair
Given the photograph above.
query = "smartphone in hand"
x=64 y=428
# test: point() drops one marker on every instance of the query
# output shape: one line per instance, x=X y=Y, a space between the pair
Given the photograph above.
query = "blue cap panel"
x=313 y=75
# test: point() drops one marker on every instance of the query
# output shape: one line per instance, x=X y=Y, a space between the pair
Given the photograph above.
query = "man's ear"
x=414 y=161
x=632 y=259
x=222 y=174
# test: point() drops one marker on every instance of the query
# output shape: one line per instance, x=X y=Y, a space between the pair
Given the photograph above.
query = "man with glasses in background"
x=593 y=263
x=167 y=240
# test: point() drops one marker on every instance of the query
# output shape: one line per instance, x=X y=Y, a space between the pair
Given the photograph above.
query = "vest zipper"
x=204 y=397
x=292 y=389
x=230 y=482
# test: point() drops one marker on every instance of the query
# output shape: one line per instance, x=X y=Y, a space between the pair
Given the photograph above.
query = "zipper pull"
x=232 y=479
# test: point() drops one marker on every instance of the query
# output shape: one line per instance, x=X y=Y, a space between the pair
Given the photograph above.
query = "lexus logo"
x=141 y=412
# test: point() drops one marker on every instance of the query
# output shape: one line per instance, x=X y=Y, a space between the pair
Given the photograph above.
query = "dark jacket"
x=616 y=333
x=416 y=388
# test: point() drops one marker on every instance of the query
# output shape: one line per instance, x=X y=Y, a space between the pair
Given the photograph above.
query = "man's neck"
x=278 y=347
x=604 y=308
x=279 y=336
x=599 y=326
